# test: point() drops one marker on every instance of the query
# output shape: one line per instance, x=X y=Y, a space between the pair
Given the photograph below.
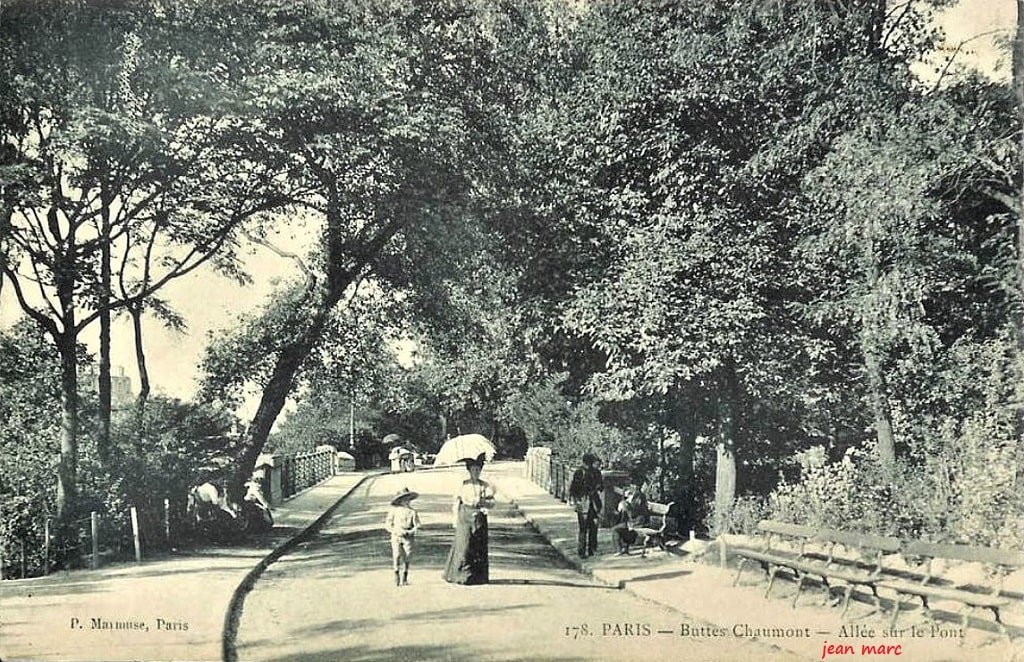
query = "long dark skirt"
x=467 y=560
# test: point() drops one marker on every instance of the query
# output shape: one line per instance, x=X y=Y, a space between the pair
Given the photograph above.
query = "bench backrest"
x=1003 y=557
x=885 y=544
x=785 y=529
x=659 y=509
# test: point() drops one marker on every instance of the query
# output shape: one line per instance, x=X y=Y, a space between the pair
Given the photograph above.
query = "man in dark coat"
x=585 y=496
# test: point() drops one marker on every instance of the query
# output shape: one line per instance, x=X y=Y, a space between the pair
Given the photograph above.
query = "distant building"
x=121 y=394
x=120 y=387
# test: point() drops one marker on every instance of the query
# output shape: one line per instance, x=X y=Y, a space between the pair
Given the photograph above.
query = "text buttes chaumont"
x=743 y=630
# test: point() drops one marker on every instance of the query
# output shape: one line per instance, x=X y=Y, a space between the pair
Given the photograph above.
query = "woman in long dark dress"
x=467 y=560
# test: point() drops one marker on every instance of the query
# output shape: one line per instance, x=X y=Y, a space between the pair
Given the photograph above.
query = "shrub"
x=856 y=493
x=743 y=515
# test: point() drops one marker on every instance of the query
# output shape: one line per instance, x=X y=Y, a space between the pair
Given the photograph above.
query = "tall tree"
x=1018 y=88
x=101 y=178
x=677 y=147
x=378 y=112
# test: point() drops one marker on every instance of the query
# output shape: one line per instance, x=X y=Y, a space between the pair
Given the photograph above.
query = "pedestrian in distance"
x=585 y=497
x=633 y=513
x=468 y=558
x=402 y=523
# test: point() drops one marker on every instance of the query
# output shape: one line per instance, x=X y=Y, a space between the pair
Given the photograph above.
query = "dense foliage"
x=173 y=446
x=777 y=238
x=742 y=250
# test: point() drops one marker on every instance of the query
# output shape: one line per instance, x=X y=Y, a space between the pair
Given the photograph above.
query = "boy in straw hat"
x=402 y=523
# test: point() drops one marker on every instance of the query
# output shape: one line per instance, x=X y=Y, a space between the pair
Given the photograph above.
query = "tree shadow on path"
x=549 y=582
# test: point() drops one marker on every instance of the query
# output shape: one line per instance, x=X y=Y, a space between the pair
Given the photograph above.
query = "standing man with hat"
x=585 y=495
x=402 y=523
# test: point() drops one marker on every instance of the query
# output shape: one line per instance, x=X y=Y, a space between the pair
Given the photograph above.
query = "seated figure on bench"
x=633 y=514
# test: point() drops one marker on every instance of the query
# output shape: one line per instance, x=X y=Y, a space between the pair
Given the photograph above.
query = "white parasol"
x=464 y=447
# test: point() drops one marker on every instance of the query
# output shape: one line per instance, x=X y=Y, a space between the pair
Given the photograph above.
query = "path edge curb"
x=234 y=611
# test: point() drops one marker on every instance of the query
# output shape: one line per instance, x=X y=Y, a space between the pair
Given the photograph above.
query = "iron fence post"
x=94 y=521
x=135 y=534
x=46 y=546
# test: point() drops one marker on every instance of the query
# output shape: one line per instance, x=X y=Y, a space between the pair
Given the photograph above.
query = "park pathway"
x=180 y=600
x=334 y=598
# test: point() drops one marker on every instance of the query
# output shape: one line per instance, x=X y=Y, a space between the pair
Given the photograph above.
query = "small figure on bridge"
x=585 y=496
x=402 y=523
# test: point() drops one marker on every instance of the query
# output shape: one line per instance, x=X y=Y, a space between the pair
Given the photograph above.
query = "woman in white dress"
x=467 y=560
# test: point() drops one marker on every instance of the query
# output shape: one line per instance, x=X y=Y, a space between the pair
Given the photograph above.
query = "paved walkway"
x=703 y=591
x=169 y=608
x=334 y=597
x=179 y=602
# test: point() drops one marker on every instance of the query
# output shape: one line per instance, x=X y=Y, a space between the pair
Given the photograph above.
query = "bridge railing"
x=548 y=471
x=302 y=470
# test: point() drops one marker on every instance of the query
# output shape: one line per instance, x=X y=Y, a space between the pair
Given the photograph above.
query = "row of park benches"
x=858 y=560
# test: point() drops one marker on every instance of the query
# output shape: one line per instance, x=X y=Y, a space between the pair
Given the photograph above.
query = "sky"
x=972 y=23
x=210 y=303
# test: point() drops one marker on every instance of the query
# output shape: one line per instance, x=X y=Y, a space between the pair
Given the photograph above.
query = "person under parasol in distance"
x=468 y=558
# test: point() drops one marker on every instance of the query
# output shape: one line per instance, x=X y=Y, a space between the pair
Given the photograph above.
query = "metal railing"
x=304 y=470
x=546 y=470
x=97 y=537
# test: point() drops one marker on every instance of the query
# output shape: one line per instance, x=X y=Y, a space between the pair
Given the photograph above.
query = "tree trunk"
x=661 y=464
x=1018 y=85
x=344 y=263
x=875 y=27
x=66 y=341
x=352 y=423
x=880 y=409
x=681 y=417
x=872 y=353
x=68 y=463
x=275 y=394
x=725 y=481
x=103 y=386
x=725 y=461
x=135 y=311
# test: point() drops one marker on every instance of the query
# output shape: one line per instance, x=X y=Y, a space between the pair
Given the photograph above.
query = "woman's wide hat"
x=404 y=495
x=478 y=461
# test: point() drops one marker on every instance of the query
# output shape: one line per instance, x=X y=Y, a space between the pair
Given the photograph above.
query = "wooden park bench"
x=768 y=555
x=661 y=526
x=856 y=559
x=996 y=562
x=853 y=558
